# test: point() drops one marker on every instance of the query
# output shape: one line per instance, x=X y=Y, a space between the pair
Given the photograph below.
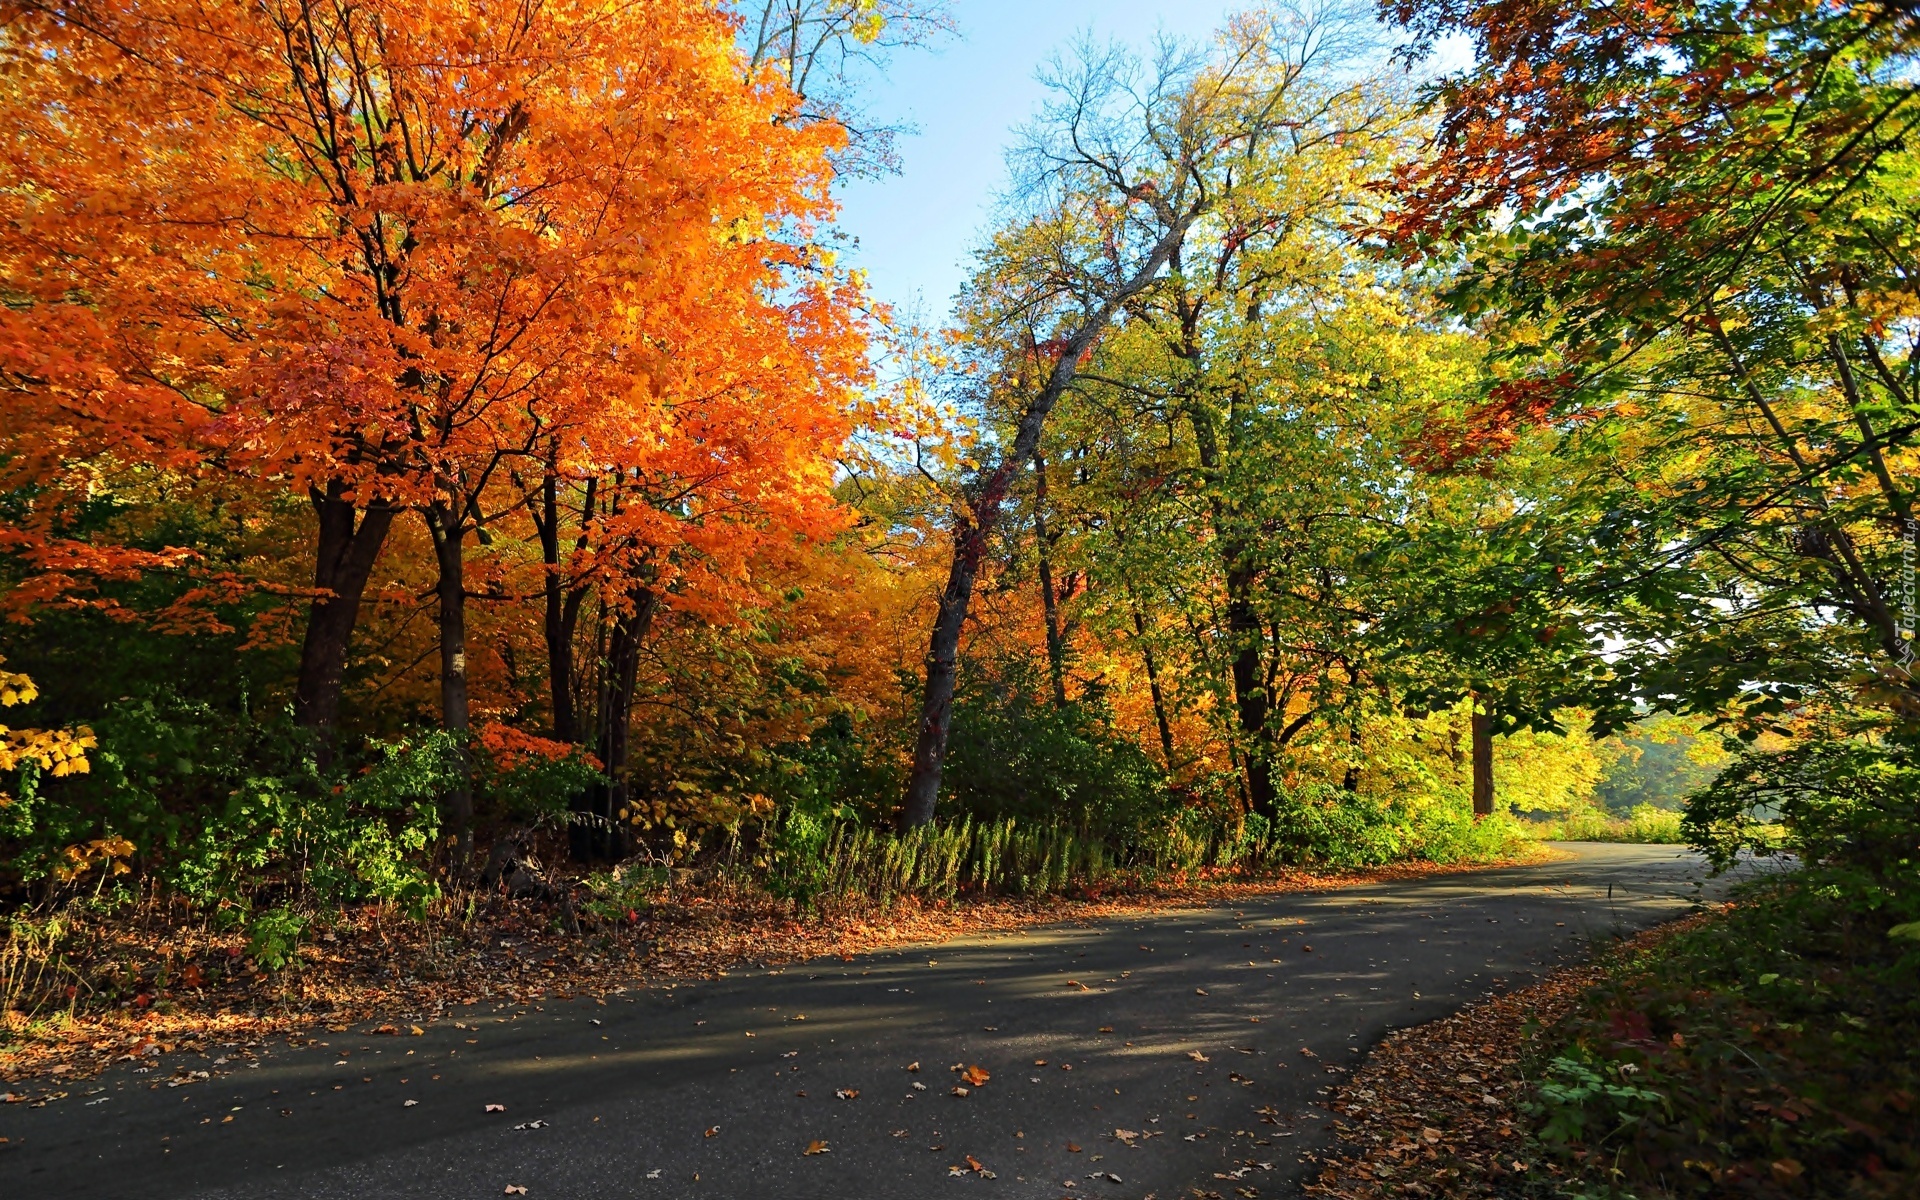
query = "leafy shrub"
x=365 y=839
x=1778 y=1042
x=1849 y=808
x=1014 y=753
x=273 y=937
x=233 y=813
x=624 y=892
x=1586 y=1100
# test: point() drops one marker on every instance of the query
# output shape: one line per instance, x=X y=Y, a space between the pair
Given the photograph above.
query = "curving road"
x=1187 y=1031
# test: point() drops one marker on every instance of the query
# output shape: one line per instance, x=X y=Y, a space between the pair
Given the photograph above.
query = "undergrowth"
x=1773 y=1051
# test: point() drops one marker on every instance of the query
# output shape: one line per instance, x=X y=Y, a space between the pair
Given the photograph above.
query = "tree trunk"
x=1049 y=599
x=1250 y=697
x=343 y=562
x=943 y=654
x=1482 y=760
x=1153 y=686
x=1252 y=705
x=448 y=526
x=602 y=834
x=562 y=615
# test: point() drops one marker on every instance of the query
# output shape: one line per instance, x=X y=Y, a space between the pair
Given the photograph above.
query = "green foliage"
x=624 y=892
x=1581 y=1099
x=365 y=839
x=1646 y=823
x=273 y=937
x=1659 y=762
x=1015 y=754
x=840 y=771
x=1849 y=809
x=1773 y=1049
x=232 y=813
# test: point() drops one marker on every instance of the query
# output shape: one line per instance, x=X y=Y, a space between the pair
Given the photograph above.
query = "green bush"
x=1769 y=1050
x=1016 y=754
x=363 y=839
x=1848 y=808
x=273 y=937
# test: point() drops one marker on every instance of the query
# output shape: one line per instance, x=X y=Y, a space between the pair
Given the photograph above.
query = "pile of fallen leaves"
x=1435 y=1109
x=182 y=984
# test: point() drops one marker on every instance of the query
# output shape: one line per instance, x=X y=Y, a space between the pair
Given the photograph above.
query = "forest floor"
x=1435 y=1111
x=179 y=985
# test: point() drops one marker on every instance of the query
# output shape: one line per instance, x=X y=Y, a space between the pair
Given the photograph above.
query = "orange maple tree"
x=385 y=253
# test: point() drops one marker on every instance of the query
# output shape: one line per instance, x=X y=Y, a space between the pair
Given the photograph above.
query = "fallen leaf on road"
x=408 y=1103
x=416 y=1031
x=1199 y=991
x=975 y=1075
x=496 y=1108
x=1075 y=983
x=1106 y=1029
x=913 y=1066
x=531 y=1125
x=1308 y=1053
x=847 y=1093
x=962 y=1092
x=712 y=1132
x=1072 y=1148
x=653 y=1174
x=1126 y=1135
x=1196 y=1056
x=918 y=1086
x=1039 y=1062
x=514 y=1189
x=817 y=1148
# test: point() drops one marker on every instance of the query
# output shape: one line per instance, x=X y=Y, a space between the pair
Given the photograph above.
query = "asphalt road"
x=1189 y=1030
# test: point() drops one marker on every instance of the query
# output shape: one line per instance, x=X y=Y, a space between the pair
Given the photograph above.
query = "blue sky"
x=967 y=96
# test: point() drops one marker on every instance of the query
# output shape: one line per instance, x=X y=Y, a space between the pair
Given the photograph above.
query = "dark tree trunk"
x=943 y=654
x=1153 y=687
x=1350 y=781
x=448 y=528
x=1049 y=599
x=1250 y=697
x=1482 y=760
x=1252 y=705
x=349 y=543
x=562 y=615
x=601 y=834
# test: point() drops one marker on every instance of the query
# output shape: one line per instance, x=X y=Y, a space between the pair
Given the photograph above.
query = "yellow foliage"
x=56 y=751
